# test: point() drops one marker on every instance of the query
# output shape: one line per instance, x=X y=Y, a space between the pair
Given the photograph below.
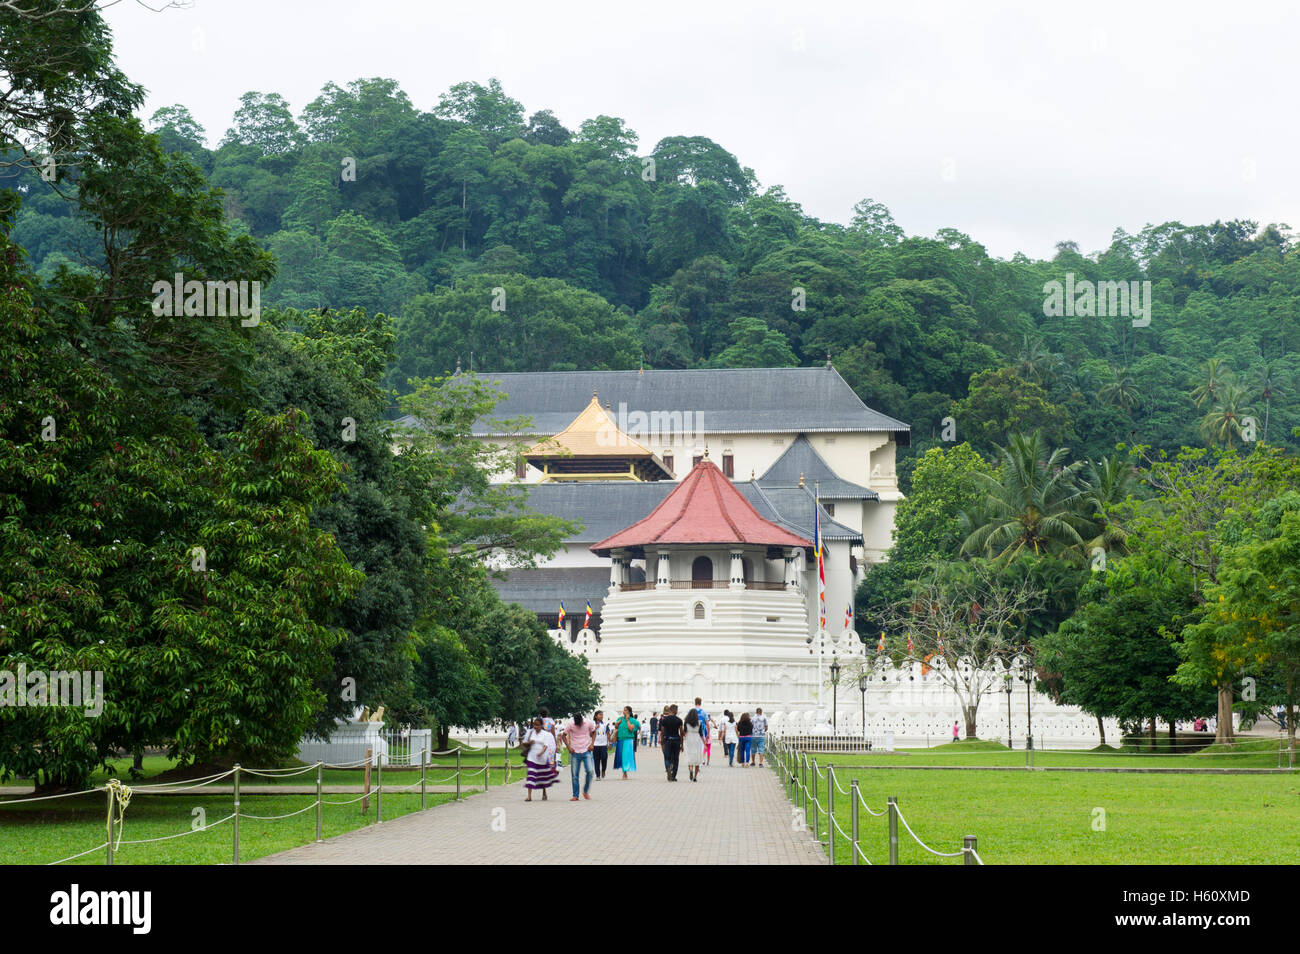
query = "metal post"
x=803 y=784
x=968 y=846
x=830 y=809
x=236 y=861
x=893 y=829
x=108 y=789
x=424 y=761
x=853 y=819
x=379 y=791
x=486 y=746
x=365 y=797
x=318 y=799
x=458 y=772
x=817 y=828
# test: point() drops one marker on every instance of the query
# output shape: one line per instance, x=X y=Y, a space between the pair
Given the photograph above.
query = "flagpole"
x=821 y=629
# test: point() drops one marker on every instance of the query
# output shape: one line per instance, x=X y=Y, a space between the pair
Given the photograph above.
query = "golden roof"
x=593 y=433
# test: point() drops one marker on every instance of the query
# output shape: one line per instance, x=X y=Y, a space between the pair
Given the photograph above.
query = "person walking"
x=758 y=744
x=729 y=738
x=540 y=759
x=693 y=743
x=670 y=740
x=710 y=730
x=578 y=739
x=600 y=745
x=627 y=729
x=955 y=734
x=654 y=728
x=744 y=735
x=512 y=736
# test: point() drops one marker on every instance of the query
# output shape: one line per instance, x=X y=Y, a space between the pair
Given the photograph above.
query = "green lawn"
x=41 y=832
x=1075 y=818
x=1254 y=753
x=38 y=834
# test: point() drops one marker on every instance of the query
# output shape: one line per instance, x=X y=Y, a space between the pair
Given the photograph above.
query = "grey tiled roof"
x=730 y=400
x=605 y=507
x=542 y=590
x=802 y=460
x=793 y=507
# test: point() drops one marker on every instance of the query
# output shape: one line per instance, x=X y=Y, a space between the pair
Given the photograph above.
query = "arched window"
x=702 y=573
x=699 y=611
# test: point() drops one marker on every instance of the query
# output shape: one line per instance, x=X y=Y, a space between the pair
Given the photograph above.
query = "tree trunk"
x=1101 y=730
x=1173 y=734
x=444 y=735
x=137 y=761
x=1223 y=726
x=969 y=713
x=1152 y=744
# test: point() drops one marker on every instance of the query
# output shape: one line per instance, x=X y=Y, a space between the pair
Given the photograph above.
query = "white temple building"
x=697 y=493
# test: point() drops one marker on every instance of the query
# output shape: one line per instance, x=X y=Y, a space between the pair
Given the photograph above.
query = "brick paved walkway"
x=730 y=816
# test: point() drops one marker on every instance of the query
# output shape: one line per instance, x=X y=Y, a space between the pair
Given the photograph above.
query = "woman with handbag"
x=628 y=728
x=539 y=746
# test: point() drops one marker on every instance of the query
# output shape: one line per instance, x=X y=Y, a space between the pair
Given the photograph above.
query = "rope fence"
x=118 y=796
x=802 y=779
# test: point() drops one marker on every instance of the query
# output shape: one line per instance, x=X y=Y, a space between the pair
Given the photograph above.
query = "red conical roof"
x=704 y=509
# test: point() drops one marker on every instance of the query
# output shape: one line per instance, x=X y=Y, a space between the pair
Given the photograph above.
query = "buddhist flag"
x=821 y=568
x=909 y=644
x=848 y=615
x=880 y=647
x=586 y=624
x=560 y=623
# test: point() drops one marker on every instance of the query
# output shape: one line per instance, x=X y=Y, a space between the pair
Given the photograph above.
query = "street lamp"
x=835 y=686
x=1006 y=676
x=1027 y=674
x=862 y=688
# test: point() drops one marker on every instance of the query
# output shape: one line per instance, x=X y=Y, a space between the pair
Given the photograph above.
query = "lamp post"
x=1027 y=674
x=835 y=687
x=862 y=688
x=1006 y=676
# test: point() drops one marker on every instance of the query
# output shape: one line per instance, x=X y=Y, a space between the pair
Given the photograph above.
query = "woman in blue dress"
x=628 y=727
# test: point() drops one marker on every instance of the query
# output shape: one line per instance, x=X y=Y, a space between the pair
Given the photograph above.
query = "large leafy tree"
x=1198 y=502
x=1250 y=622
x=1112 y=656
x=513 y=323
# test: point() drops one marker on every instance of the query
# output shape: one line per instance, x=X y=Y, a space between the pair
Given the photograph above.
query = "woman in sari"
x=628 y=728
x=540 y=760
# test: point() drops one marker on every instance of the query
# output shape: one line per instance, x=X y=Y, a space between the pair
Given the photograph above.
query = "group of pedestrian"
x=588 y=743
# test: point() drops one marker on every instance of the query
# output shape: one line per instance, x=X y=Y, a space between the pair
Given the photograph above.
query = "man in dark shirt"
x=670 y=736
x=654 y=729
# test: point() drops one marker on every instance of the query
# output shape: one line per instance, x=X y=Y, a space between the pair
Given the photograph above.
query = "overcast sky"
x=1021 y=124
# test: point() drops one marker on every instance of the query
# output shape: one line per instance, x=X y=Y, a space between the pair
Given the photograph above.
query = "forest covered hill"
x=605 y=255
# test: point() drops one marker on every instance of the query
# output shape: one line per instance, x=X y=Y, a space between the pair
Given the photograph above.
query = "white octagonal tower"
x=722 y=613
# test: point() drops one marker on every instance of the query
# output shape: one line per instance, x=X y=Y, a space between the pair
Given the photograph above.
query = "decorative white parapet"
x=346 y=744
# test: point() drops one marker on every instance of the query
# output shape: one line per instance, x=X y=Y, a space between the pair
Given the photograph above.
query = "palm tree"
x=1223 y=424
x=1033 y=503
x=1209 y=378
x=1105 y=483
x=1268 y=379
x=1120 y=389
x=1035 y=363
